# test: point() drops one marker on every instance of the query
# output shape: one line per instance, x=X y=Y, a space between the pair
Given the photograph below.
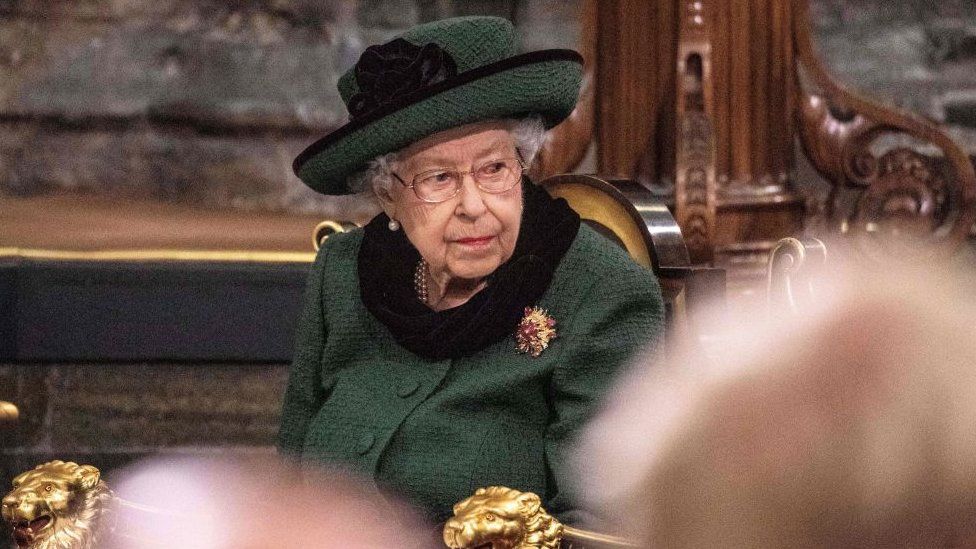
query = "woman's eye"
x=48 y=488
x=438 y=181
x=493 y=168
x=490 y=517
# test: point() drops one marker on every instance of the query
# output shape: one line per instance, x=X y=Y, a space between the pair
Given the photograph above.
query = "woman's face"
x=470 y=235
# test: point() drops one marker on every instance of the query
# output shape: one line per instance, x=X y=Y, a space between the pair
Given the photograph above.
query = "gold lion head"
x=502 y=518
x=56 y=505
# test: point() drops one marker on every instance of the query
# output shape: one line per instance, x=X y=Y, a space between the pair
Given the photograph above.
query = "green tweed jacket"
x=434 y=431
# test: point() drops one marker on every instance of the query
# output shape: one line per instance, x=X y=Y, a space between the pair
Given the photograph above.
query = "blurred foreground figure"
x=850 y=425
x=253 y=504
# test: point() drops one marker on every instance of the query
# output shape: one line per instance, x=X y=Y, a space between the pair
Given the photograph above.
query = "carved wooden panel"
x=740 y=120
x=695 y=166
x=886 y=186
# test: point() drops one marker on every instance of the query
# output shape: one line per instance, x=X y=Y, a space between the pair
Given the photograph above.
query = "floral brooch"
x=535 y=331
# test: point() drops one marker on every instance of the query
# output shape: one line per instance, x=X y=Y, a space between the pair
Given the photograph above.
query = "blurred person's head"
x=253 y=504
x=851 y=424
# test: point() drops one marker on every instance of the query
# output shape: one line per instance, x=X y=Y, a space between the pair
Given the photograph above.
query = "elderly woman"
x=463 y=337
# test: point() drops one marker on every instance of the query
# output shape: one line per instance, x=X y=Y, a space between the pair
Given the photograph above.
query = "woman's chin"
x=474 y=269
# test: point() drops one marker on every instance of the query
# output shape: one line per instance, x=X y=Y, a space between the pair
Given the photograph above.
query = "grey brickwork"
x=206 y=102
x=915 y=54
x=203 y=102
x=109 y=415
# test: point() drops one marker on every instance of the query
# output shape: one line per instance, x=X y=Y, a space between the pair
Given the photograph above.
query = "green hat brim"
x=543 y=82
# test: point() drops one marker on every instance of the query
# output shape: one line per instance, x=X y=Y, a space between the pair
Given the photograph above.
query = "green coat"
x=434 y=431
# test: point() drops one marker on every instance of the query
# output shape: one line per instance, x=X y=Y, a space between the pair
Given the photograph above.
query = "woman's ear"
x=387 y=200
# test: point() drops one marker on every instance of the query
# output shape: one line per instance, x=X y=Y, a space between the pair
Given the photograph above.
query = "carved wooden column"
x=702 y=101
x=636 y=45
x=734 y=133
x=752 y=76
x=695 y=174
x=735 y=126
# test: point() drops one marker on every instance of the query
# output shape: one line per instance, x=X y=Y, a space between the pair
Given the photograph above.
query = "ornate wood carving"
x=752 y=73
x=755 y=200
x=794 y=265
x=884 y=184
x=695 y=166
x=704 y=115
x=743 y=201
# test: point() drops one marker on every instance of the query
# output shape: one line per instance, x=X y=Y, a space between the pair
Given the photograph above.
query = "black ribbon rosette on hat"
x=397 y=68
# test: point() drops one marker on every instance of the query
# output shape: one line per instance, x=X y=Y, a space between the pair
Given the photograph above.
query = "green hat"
x=434 y=77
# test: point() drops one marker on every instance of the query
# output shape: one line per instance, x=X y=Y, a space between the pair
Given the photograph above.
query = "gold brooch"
x=535 y=331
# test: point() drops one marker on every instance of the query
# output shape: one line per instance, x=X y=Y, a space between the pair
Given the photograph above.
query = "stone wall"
x=914 y=54
x=207 y=102
x=108 y=415
x=204 y=102
x=129 y=409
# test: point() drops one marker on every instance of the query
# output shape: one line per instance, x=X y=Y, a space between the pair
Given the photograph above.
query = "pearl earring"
x=394 y=225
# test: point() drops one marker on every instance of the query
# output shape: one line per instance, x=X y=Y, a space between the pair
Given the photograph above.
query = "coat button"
x=365 y=443
x=407 y=388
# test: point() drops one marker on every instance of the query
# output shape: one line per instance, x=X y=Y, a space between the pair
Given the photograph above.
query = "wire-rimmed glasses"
x=494 y=176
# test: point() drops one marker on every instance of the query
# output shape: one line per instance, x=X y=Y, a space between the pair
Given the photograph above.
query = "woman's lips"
x=475 y=241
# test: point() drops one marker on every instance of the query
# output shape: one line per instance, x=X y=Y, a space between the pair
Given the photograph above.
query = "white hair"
x=529 y=135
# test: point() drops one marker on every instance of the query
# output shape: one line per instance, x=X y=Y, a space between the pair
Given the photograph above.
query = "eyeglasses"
x=494 y=176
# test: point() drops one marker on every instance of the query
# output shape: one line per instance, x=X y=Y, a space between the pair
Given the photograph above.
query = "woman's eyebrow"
x=495 y=148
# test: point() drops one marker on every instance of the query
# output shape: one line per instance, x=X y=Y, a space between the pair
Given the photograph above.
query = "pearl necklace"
x=420 y=281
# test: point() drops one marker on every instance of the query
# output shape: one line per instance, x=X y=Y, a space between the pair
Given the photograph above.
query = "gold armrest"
x=497 y=516
x=792 y=271
x=327 y=228
x=8 y=412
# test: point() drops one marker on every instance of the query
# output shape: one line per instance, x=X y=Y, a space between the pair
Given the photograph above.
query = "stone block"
x=27 y=387
x=546 y=24
x=203 y=102
x=140 y=406
x=232 y=73
x=171 y=165
x=392 y=14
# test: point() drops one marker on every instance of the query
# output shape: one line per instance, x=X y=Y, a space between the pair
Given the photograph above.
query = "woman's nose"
x=472 y=202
